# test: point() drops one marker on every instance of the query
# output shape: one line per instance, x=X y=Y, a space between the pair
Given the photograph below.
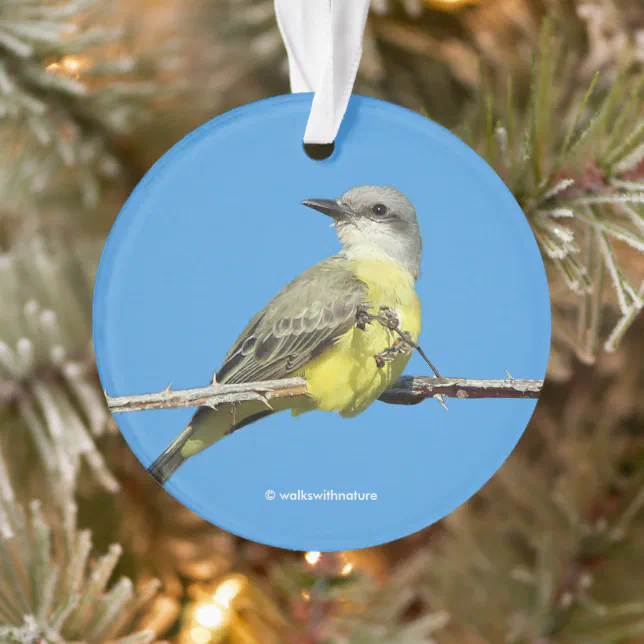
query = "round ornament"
x=193 y=282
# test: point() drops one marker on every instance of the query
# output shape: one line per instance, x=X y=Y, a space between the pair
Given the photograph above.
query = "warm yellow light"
x=70 y=65
x=228 y=590
x=200 y=635
x=209 y=615
x=450 y=4
x=312 y=558
x=306 y=595
x=347 y=569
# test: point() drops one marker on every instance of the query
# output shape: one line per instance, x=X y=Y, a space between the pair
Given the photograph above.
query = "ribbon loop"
x=323 y=40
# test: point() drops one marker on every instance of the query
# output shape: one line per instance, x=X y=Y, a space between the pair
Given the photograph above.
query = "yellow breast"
x=346 y=378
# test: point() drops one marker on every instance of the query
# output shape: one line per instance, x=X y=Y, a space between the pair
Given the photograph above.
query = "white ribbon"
x=323 y=41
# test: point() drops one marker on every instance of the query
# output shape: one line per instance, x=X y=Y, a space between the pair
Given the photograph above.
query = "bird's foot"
x=399 y=347
x=386 y=316
x=363 y=317
x=389 y=318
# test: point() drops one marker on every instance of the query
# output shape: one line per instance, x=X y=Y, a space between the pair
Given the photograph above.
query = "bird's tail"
x=172 y=458
x=205 y=427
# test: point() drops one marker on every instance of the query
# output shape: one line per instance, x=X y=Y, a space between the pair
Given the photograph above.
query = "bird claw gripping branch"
x=404 y=345
x=399 y=347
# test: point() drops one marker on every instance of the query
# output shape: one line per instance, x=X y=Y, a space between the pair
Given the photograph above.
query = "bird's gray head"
x=375 y=221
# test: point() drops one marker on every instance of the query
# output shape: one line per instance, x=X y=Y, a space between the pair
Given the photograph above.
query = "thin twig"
x=427 y=360
x=211 y=396
x=408 y=390
x=411 y=390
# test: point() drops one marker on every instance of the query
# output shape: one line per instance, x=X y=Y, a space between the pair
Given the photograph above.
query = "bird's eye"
x=379 y=209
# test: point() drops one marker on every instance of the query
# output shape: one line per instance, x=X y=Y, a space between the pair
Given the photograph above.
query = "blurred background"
x=551 y=550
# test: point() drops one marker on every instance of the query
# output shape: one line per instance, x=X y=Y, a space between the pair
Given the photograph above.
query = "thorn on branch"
x=441 y=400
x=264 y=399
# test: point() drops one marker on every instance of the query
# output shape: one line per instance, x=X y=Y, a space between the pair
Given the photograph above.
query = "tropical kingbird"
x=310 y=328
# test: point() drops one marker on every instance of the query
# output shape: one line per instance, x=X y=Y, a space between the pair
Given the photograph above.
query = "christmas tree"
x=550 y=550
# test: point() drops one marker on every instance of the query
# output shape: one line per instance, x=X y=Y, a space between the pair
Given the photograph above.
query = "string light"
x=212 y=613
x=346 y=570
x=312 y=557
x=209 y=615
x=70 y=66
x=228 y=590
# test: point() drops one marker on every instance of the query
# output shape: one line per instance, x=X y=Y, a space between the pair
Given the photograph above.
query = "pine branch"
x=69 y=89
x=51 y=400
x=572 y=155
x=553 y=537
x=408 y=390
x=50 y=589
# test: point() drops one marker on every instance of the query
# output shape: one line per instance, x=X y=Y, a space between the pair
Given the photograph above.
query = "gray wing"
x=302 y=320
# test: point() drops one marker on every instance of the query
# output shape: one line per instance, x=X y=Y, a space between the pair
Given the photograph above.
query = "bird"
x=312 y=327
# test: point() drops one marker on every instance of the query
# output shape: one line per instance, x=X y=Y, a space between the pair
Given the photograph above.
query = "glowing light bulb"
x=228 y=590
x=70 y=65
x=312 y=558
x=346 y=570
x=209 y=615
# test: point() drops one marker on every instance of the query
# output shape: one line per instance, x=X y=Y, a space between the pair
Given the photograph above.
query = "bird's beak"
x=329 y=207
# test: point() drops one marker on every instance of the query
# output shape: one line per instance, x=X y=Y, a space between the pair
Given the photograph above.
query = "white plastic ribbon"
x=323 y=41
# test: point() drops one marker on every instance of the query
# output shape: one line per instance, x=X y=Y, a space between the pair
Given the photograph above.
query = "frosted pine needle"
x=46 y=365
x=47 y=593
x=576 y=154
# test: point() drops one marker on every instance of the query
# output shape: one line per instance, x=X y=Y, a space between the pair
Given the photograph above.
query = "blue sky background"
x=216 y=228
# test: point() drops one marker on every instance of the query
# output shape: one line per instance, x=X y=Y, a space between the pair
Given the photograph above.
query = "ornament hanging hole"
x=319 y=151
